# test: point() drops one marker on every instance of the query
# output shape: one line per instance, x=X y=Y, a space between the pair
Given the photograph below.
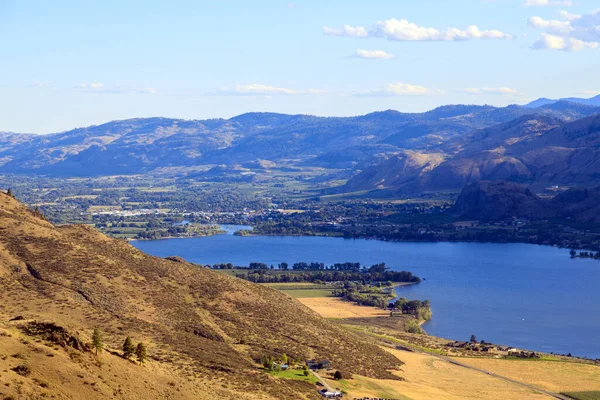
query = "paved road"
x=458 y=363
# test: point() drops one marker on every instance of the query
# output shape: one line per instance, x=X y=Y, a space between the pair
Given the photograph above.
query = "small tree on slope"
x=128 y=348
x=97 y=341
x=140 y=352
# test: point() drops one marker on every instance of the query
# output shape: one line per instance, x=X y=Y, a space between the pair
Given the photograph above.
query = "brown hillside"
x=203 y=329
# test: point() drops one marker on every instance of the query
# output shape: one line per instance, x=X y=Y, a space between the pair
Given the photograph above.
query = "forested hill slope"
x=203 y=330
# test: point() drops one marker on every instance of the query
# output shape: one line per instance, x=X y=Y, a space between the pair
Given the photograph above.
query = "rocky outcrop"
x=486 y=200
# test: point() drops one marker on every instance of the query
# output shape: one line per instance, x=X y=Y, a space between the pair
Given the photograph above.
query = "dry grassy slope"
x=197 y=322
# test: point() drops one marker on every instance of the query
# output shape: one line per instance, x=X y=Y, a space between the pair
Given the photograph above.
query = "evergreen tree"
x=337 y=376
x=140 y=352
x=128 y=348
x=9 y=192
x=267 y=362
x=97 y=341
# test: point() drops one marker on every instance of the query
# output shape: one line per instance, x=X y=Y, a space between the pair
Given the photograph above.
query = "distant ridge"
x=161 y=145
x=543 y=101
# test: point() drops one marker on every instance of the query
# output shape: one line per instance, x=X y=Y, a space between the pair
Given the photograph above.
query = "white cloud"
x=145 y=90
x=95 y=87
x=403 y=30
x=568 y=16
x=347 y=30
x=575 y=33
x=554 y=42
x=550 y=25
x=503 y=91
x=591 y=92
x=544 y=3
x=373 y=54
x=405 y=89
x=256 y=89
x=400 y=89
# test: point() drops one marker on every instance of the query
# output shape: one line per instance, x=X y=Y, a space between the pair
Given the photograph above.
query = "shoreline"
x=380 y=240
x=327 y=308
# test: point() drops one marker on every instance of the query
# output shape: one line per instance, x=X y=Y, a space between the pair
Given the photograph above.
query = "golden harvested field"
x=549 y=375
x=336 y=308
x=428 y=377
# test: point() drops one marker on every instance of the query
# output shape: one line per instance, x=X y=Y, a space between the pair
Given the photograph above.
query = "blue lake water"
x=525 y=296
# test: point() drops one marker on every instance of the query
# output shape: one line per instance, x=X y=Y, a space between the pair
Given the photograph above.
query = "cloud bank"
x=573 y=33
x=373 y=54
x=405 y=31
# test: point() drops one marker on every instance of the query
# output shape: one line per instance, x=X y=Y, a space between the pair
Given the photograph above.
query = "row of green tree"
x=262 y=276
x=129 y=350
x=364 y=295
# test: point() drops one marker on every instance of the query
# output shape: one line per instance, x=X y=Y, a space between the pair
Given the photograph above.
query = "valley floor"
x=430 y=376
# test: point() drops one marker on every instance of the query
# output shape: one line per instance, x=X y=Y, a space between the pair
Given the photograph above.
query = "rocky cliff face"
x=486 y=200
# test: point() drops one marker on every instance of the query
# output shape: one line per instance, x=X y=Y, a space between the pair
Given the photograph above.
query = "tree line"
x=262 y=276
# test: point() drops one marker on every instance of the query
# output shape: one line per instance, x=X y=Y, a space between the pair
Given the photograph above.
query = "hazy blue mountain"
x=594 y=101
x=533 y=149
x=145 y=145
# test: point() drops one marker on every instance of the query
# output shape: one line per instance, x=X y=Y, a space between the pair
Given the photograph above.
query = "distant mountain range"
x=444 y=148
x=594 y=101
x=533 y=149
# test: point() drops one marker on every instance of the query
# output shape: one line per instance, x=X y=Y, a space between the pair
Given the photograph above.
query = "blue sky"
x=67 y=64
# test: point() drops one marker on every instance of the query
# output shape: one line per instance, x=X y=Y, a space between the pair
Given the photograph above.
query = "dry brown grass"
x=427 y=377
x=199 y=324
x=549 y=375
x=336 y=308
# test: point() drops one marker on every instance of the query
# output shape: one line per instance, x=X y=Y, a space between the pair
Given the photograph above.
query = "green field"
x=302 y=290
x=295 y=293
x=296 y=374
x=294 y=286
x=590 y=395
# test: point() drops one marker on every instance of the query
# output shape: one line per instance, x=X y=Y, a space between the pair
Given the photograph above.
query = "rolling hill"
x=155 y=145
x=534 y=149
x=594 y=101
x=204 y=330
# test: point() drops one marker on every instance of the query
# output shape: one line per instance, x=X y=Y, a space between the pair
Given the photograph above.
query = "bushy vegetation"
x=412 y=326
x=421 y=310
x=377 y=273
x=365 y=295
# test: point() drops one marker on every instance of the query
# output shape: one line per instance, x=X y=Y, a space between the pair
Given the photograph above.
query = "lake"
x=525 y=296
